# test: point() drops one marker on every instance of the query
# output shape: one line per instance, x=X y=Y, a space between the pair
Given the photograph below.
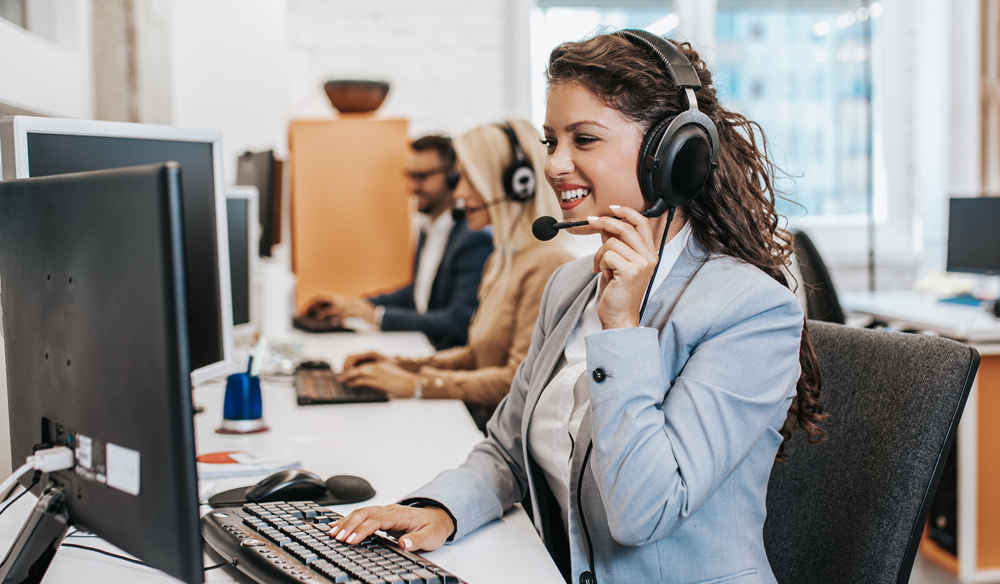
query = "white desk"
x=978 y=557
x=927 y=312
x=397 y=446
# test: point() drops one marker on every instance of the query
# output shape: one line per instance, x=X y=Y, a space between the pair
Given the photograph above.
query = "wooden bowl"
x=353 y=96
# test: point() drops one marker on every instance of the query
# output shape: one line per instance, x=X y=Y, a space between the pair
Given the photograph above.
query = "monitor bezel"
x=246 y=332
x=14 y=132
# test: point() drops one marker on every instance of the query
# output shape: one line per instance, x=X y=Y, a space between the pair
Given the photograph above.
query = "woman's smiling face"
x=593 y=151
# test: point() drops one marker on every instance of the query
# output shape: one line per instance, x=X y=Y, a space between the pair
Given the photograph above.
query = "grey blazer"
x=684 y=421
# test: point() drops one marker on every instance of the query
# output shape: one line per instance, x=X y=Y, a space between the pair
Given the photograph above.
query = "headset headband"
x=515 y=144
x=678 y=68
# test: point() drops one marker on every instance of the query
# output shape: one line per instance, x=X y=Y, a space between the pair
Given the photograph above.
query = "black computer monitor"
x=241 y=214
x=256 y=169
x=36 y=147
x=974 y=235
x=95 y=328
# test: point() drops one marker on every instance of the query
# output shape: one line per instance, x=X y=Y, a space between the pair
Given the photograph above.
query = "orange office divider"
x=350 y=209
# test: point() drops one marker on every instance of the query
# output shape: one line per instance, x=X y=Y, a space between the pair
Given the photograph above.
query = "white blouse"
x=557 y=415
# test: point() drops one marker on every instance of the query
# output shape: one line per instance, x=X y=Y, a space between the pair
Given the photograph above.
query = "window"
x=804 y=74
x=558 y=21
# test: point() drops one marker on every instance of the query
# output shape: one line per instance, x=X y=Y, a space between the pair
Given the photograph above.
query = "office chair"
x=853 y=508
x=821 y=296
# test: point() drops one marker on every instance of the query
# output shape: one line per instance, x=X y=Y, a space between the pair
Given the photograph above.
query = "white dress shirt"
x=436 y=233
x=560 y=409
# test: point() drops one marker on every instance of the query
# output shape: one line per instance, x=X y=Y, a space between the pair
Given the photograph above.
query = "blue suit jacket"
x=454 y=293
x=684 y=426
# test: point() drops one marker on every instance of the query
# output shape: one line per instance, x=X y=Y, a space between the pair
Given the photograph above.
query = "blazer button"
x=587 y=578
x=599 y=375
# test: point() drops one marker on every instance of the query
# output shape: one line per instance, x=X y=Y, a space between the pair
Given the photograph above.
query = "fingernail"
x=351 y=538
x=592 y=218
x=407 y=544
x=341 y=535
x=615 y=207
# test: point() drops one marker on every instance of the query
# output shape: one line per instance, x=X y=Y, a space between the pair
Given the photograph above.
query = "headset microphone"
x=459 y=211
x=545 y=228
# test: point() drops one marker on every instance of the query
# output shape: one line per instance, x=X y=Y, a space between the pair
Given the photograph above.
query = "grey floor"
x=927 y=572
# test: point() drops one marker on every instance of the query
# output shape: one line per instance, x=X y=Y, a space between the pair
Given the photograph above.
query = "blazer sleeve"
x=455 y=358
x=486 y=386
x=451 y=321
x=679 y=450
x=495 y=476
x=401 y=298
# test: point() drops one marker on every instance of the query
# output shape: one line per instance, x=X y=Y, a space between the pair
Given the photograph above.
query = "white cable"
x=48 y=460
x=52 y=459
x=7 y=484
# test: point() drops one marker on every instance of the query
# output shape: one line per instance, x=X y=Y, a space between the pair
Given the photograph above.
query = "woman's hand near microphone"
x=627 y=260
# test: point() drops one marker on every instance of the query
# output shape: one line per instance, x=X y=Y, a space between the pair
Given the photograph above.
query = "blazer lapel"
x=692 y=258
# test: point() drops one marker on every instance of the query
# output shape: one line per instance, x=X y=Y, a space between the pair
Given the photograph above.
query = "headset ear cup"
x=519 y=181
x=650 y=167
x=676 y=158
x=452 y=178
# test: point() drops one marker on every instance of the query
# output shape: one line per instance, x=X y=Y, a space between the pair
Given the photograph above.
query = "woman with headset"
x=497 y=164
x=667 y=371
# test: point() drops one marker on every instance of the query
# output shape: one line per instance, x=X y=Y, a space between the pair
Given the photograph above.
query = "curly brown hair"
x=735 y=213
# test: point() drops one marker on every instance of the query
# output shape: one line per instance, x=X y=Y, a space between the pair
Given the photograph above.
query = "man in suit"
x=448 y=265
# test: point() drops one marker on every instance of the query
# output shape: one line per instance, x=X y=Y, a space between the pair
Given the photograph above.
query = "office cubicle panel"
x=47 y=146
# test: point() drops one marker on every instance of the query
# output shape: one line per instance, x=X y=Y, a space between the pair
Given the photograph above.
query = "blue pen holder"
x=242 y=410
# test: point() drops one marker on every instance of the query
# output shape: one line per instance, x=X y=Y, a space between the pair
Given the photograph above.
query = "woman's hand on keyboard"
x=384 y=376
x=356 y=359
x=416 y=528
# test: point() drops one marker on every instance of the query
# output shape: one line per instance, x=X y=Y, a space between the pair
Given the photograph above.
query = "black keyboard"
x=320 y=386
x=276 y=543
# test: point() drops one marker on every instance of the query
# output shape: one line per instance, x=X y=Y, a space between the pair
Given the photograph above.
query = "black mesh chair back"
x=821 y=296
x=852 y=509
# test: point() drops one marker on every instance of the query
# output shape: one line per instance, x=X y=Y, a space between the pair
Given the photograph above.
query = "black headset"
x=452 y=177
x=678 y=153
x=519 y=182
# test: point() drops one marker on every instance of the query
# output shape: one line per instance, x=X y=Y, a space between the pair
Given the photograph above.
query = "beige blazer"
x=480 y=373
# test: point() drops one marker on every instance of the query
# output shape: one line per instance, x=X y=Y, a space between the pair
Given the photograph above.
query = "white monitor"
x=244 y=242
x=32 y=147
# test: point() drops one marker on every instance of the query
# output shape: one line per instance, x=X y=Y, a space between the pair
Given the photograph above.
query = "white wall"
x=227 y=70
x=447 y=60
x=248 y=67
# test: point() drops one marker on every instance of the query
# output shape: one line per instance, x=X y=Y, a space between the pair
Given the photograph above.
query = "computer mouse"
x=288 y=485
x=349 y=489
x=313 y=364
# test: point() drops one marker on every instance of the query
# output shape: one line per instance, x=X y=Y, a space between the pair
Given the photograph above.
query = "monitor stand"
x=43 y=532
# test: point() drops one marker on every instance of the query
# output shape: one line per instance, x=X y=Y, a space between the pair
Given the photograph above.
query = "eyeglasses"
x=424 y=175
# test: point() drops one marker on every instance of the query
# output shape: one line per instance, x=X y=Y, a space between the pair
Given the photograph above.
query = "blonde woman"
x=501 y=185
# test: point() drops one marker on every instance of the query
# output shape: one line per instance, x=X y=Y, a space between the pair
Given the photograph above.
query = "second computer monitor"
x=974 y=235
x=37 y=147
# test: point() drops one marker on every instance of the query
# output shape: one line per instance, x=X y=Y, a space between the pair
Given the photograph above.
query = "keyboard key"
x=427 y=576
